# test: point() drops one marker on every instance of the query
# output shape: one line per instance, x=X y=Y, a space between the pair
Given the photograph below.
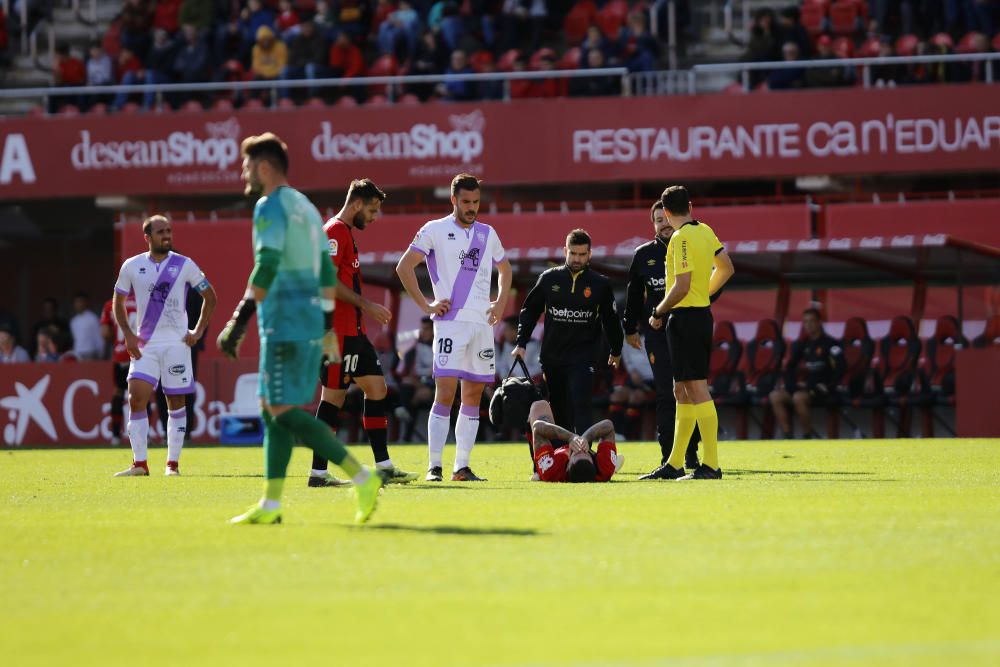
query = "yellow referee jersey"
x=692 y=249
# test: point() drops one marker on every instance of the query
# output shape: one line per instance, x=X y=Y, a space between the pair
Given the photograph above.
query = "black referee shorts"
x=689 y=333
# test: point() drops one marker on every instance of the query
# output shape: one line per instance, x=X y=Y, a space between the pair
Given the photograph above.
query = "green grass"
x=818 y=553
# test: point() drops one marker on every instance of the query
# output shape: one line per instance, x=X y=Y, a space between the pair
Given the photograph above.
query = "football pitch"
x=806 y=553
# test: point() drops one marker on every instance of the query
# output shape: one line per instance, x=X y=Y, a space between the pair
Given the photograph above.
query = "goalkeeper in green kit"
x=292 y=285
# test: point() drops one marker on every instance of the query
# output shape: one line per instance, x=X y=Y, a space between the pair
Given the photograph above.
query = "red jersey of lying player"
x=552 y=463
x=119 y=353
x=347 y=319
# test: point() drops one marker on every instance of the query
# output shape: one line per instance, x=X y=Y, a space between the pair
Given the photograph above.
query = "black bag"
x=512 y=400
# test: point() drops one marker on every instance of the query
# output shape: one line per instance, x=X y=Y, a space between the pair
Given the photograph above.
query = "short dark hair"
x=81 y=295
x=364 y=188
x=813 y=311
x=676 y=200
x=147 y=224
x=464 y=181
x=582 y=470
x=578 y=237
x=657 y=206
x=268 y=147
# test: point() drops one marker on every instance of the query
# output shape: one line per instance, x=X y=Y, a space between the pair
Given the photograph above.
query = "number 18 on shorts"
x=464 y=350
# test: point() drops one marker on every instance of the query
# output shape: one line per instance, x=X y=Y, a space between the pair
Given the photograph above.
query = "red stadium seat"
x=36 y=111
x=191 y=106
x=286 y=103
x=870 y=48
x=253 y=104
x=611 y=18
x=409 y=99
x=858 y=387
x=764 y=356
x=223 y=104
x=907 y=45
x=506 y=62
x=996 y=42
x=579 y=18
x=967 y=44
x=843 y=47
x=480 y=59
x=899 y=352
x=347 y=101
x=724 y=375
x=315 y=103
x=938 y=369
x=943 y=40
x=570 y=59
x=130 y=108
x=813 y=18
x=385 y=65
x=535 y=62
x=70 y=110
x=735 y=88
x=844 y=18
x=376 y=100
x=99 y=109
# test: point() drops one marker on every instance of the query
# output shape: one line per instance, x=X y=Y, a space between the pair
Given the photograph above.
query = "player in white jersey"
x=161 y=348
x=460 y=253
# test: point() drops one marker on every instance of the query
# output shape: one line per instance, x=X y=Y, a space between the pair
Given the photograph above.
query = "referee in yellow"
x=697 y=267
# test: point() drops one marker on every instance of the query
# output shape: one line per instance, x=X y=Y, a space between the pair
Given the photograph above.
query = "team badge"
x=443 y=360
x=650 y=262
x=172 y=270
x=333 y=246
x=555 y=288
x=586 y=293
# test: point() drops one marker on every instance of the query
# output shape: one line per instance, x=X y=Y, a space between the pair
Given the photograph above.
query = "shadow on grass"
x=455 y=530
x=796 y=473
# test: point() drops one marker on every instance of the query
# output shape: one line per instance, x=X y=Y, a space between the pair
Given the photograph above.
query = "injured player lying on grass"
x=573 y=460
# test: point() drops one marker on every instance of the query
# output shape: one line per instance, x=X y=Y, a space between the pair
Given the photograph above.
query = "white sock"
x=319 y=473
x=438 y=423
x=138 y=432
x=466 y=429
x=269 y=504
x=384 y=465
x=176 y=429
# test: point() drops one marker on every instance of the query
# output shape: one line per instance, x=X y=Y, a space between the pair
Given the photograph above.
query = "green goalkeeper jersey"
x=288 y=222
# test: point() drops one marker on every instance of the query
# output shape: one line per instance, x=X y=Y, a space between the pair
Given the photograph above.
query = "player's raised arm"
x=406 y=269
x=602 y=430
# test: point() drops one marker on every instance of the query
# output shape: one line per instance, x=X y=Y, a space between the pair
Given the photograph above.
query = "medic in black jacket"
x=578 y=302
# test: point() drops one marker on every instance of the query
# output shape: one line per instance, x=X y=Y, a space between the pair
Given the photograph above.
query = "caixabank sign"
x=760 y=135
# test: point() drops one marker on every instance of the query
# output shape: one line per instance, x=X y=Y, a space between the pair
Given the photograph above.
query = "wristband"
x=327 y=306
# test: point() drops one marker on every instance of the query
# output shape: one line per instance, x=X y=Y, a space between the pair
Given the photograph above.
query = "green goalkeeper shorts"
x=288 y=371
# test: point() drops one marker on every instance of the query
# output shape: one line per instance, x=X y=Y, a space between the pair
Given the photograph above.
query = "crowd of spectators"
x=53 y=337
x=191 y=41
x=843 y=29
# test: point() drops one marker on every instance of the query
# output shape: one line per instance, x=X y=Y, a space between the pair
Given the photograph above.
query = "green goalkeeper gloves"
x=236 y=328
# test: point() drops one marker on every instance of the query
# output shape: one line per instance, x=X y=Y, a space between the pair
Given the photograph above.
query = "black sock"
x=329 y=414
x=375 y=425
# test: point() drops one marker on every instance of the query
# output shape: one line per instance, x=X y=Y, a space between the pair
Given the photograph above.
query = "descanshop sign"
x=424 y=141
x=179 y=149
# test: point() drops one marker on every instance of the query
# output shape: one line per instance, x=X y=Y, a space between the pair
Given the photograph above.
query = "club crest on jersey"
x=472 y=255
x=333 y=247
x=586 y=293
x=172 y=270
x=650 y=262
x=442 y=360
x=481 y=236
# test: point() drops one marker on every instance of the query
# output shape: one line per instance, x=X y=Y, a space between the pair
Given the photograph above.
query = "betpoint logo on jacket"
x=218 y=146
x=423 y=141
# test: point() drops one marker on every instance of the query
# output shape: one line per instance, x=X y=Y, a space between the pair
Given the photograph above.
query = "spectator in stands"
x=4 y=40
x=633 y=388
x=86 y=329
x=100 y=68
x=428 y=58
x=50 y=319
x=270 y=56
x=166 y=16
x=827 y=77
x=399 y=33
x=459 y=91
x=127 y=63
x=812 y=372
x=594 y=40
x=135 y=23
x=230 y=43
x=45 y=344
x=519 y=18
x=763 y=44
x=508 y=341
x=974 y=71
x=790 y=30
x=416 y=381
x=792 y=77
x=883 y=10
x=10 y=351
x=490 y=90
x=352 y=17
x=197 y=13
x=546 y=87
x=256 y=15
x=287 y=18
x=324 y=20
x=638 y=50
x=346 y=60
x=158 y=68
x=452 y=27
x=595 y=86
x=67 y=71
x=191 y=61
x=887 y=76
x=306 y=57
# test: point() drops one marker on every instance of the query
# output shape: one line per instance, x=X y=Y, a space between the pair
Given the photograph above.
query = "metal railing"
x=75 y=6
x=392 y=83
x=663 y=82
x=744 y=69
